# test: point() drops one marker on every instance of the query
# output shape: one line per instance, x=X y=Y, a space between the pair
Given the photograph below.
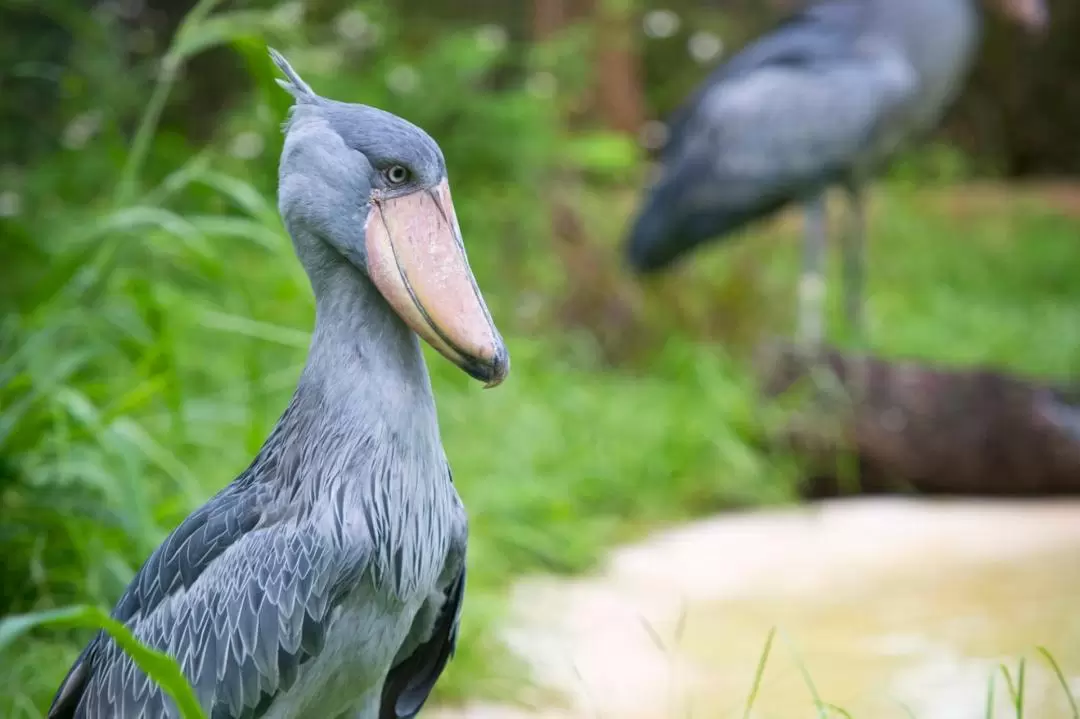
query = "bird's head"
x=373 y=188
x=1033 y=15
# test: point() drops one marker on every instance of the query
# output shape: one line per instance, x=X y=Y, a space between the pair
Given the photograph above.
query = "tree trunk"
x=620 y=100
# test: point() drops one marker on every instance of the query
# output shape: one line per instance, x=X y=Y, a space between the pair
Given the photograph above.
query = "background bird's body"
x=327 y=579
x=824 y=99
x=939 y=39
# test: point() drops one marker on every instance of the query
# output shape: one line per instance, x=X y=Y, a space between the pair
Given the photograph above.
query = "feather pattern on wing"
x=422 y=659
x=241 y=608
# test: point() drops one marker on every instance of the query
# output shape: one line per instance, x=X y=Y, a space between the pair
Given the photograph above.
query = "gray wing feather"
x=782 y=129
x=411 y=680
x=821 y=32
x=810 y=104
x=239 y=607
x=792 y=111
x=422 y=659
x=765 y=138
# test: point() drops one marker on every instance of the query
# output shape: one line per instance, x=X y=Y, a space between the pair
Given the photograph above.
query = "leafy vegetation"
x=156 y=320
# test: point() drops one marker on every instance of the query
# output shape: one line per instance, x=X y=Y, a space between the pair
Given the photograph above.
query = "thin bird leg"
x=811 y=307
x=853 y=246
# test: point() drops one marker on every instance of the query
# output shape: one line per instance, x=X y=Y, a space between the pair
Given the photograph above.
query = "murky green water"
x=919 y=639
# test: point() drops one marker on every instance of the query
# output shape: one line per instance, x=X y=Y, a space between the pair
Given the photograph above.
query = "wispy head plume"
x=294 y=84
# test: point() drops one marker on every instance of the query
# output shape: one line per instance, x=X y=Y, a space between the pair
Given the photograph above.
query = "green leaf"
x=604 y=153
x=221 y=28
x=160 y=667
x=1061 y=680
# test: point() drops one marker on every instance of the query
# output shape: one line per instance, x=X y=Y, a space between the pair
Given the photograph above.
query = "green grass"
x=561 y=462
x=162 y=328
x=825 y=710
x=162 y=668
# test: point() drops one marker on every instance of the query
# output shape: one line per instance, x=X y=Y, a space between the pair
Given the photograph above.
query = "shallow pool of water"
x=893 y=607
x=919 y=640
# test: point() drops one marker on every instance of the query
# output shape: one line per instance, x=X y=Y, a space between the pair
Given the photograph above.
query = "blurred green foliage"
x=155 y=319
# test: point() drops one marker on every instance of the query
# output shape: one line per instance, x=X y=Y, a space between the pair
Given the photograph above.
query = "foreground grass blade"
x=907 y=710
x=760 y=673
x=1061 y=679
x=162 y=668
x=818 y=704
x=1016 y=689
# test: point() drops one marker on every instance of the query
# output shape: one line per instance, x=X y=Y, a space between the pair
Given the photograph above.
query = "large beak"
x=417 y=261
x=1033 y=14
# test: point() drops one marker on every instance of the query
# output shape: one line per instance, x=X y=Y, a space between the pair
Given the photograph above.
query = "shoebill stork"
x=327 y=579
x=822 y=100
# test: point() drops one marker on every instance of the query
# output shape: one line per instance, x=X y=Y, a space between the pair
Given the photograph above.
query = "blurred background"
x=155 y=320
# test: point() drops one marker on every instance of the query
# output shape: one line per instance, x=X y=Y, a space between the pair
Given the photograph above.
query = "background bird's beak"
x=416 y=259
x=1033 y=14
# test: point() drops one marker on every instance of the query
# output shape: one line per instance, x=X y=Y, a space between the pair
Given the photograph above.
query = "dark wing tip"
x=68 y=696
x=410 y=683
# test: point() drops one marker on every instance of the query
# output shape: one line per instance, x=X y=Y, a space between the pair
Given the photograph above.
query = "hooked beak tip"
x=417 y=261
x=491 y=371
x=498 y=368
x=1038 y=23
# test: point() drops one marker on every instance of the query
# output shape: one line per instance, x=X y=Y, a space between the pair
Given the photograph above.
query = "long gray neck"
x=363 y=413
x=939 y=36
x=363 y=358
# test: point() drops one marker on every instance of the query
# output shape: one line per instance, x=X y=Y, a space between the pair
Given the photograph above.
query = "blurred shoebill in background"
x=822 y=100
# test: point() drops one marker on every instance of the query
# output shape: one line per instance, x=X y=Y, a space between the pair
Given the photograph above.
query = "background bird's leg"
x=811 y=303
x=853 y=246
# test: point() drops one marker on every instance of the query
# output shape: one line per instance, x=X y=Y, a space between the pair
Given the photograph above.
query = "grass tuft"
x=1049 y=658
x=762 y=661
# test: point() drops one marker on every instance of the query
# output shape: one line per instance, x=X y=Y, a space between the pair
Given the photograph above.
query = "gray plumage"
x=327 y=579
x=824 y=99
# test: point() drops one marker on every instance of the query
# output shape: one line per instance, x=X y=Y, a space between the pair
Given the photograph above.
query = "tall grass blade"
x=762 y=661
x=243 y=195
x=907 y=710
x=585 y=688
x=1016 y=689
x=264 y=331
x=1021 y=674
x=818 y=704
x=1061 y=679
x=148 y=123
x=221 y=29
x=160 y=667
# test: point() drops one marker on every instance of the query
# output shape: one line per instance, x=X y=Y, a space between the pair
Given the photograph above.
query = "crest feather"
x=294 y=84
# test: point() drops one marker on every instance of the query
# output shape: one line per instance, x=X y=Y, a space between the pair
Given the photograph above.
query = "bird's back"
x=275 y=612
x=816 y=31
x=939 y=39
x=824 y=97
x=790 y=113
x=936 y=38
